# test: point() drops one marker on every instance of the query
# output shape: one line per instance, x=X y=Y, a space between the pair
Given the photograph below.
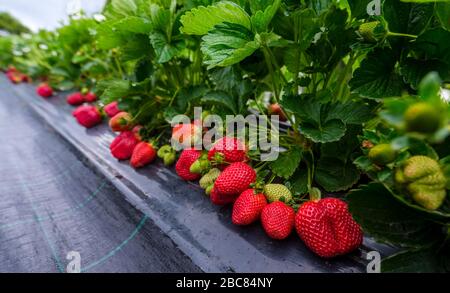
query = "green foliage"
x=11 y=24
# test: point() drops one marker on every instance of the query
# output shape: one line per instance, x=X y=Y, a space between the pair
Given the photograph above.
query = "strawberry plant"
x=360 y=97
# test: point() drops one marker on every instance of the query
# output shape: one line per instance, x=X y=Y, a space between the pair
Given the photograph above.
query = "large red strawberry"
x=121 y=122
x=75 y=99
x=278 y=220
x=220 y=200
x=248 y=206
x=144 y=153
x=187 y=158
x=112 y=109
x=235 y=179
x=327 y=227
x=90 y=97
x=123 y=145
x=187 y=135
x=87 y=116
x=44 y=90
x=229 y=149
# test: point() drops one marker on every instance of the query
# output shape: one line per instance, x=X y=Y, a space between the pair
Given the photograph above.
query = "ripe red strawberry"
x=220 y=200
x=248 y=206
x=275 y=109
x=143 y=154
x=112 y=109
x=186 y=135
x=90 y=97
x=235 y=179
x=231 y=150
x=327 y=227
x=278 y=220
x=121 y=122
x=123 y=145
x=26 y=78
x=137 y=132
x=75 y=99
x=87 y=116
x=187 y=158
x=44 y=90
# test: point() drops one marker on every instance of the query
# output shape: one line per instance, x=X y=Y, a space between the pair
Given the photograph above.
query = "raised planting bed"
x=202 y=231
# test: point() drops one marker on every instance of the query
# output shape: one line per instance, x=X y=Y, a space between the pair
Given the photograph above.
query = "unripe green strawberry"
x=165 y=149
x=200 y=166
x=169 y=159
x=277 y=192
x=382 y=154
x=422 y=178
x=372 y=31
x=423 y=118
x=209 y=178
x=168 y=154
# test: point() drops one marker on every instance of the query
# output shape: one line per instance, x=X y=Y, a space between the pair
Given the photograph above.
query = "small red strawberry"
x=275 y=109
x=123 y=145
x=112 y=109
x=187 y=158
x=248 y=206
x=121 y=122
x=186 y=135
x=137 y=132
x=87 y=116
x=278 y=220
x=327 y=227
x=44 y=90
x=75 y=99
x=220 y=200
x=235 y=179
x=143 y=154
x=90 y=97
x=229 y=149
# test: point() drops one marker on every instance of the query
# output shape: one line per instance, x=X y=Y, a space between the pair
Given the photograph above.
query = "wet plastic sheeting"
x=51 y=203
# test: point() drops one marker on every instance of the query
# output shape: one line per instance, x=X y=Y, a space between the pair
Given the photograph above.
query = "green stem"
x=392 y=34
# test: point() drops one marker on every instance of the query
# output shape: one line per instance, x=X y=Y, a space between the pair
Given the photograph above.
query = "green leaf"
x=164 y=50
x=334 y=174
x=330 y=130
x=287 y=162
x=430 y=87
x=220 y=98
x=388 y=220
x=443 y=13
x=227 y=44
x=261 y=19
x=133 y=24
x=376 y=77
x=409 y=18
x=113 y=89
x=358 y=8
x=124 y=7
x=317 y=121
x=434 y=44
x=320 y=6
x=351 y=112
x=200 y=20
x=299 y=181
x=413 y=70
x=335 y=169
x=414 y=261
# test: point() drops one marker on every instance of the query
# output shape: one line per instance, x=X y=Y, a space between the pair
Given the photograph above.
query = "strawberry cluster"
x=324 y=225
